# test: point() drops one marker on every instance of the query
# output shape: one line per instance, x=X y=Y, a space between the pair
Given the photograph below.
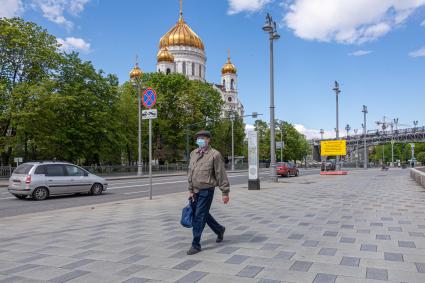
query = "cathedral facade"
x=182 y=51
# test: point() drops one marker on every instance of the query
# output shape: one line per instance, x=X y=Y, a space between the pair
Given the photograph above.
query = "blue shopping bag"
x=187 y=215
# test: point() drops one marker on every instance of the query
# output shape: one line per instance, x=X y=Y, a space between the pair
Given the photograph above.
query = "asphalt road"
x=118 y=190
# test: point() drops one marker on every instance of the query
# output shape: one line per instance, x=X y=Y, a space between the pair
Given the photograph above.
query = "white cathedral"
x=182 y=51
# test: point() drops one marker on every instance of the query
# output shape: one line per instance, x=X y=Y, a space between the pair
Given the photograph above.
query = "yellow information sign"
x=333 y=148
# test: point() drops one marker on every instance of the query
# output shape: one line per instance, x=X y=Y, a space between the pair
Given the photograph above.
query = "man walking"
x=206 y=171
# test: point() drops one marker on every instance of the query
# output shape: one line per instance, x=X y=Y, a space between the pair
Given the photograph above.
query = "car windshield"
x=23 y=169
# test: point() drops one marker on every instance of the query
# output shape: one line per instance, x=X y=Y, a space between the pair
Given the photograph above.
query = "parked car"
x=328 y=165
x=40 y=180
x=287 y=169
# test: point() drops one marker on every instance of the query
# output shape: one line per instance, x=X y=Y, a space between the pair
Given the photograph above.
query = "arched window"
x=200 y=71
x=232 y=84
x=159 y=71
x=224 y=83
x=168 y=71
x=193 y=69
x=184 y=68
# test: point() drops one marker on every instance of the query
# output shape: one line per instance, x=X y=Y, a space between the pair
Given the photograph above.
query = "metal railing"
x=130 y=170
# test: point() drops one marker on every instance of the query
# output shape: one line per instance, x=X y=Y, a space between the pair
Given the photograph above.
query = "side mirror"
x=86 y=174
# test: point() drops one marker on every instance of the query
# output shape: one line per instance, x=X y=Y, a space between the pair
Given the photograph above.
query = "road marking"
x=163 y=183
x=133 y=193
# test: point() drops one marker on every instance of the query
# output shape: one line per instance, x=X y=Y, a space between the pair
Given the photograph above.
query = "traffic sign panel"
x=149 y=98
x=149 y=114
x=333 y=148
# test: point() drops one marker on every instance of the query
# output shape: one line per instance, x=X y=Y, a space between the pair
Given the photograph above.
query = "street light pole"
x=357 y=147
x=364 y=137
x=135 y=78
x=281 y=143
x=271 y=29
x=337 y=92
x=232 y=119
x=321 y=137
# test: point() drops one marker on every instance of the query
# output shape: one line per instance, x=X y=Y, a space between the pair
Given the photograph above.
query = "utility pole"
x=357 y=147
x=337 y=92
x=271 y=28
x=365 y=137
x=384 y=124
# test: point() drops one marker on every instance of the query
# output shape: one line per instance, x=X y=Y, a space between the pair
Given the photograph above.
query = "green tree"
x=421 y=157
x=70 y=116
x=28 y=54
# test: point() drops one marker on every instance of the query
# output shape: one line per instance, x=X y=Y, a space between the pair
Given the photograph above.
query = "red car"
x=286 y=169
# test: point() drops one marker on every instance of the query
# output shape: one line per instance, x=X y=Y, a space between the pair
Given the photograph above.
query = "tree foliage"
x=296 y=145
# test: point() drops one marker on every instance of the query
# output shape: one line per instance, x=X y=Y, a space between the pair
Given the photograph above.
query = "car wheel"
x=20 y=196
x=297 y=174
x=286 y=175
x=96 y=189
x=40 y=193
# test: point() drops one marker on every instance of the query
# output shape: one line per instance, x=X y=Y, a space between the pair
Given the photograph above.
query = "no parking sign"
x=149 y=98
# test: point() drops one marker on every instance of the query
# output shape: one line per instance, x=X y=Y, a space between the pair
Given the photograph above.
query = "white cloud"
x=360 y=53
x=423 y=24
x=72 y=43
x=55 y=10
x=418 y=53
x=10 y=8
x=313 y=133
x=237 y=6
x=347 y=21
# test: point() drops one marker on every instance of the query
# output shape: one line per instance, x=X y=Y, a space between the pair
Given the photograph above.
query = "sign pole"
x=150 y=159
x=149 y=100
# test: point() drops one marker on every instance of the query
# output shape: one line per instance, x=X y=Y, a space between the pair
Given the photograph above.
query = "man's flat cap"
x=203 y=133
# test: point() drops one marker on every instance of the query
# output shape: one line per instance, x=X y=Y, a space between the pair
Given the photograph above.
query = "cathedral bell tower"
x=229 y=81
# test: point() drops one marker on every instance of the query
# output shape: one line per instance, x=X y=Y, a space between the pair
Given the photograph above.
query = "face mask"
x=201 y=142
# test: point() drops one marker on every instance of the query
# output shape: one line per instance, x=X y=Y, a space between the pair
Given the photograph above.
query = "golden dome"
x=165 y=56
x=228 y=67
x=181 y=34
x=136 y=72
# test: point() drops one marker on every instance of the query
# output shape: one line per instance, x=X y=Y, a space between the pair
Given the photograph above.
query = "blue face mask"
x=201 y=143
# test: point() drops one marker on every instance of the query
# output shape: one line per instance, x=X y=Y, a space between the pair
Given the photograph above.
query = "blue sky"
x=374 y=48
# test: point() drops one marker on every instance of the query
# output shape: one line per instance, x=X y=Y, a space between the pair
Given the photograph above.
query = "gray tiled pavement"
x=364 y=227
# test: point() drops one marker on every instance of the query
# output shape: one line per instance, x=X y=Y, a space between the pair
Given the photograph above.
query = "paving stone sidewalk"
x=364 y=227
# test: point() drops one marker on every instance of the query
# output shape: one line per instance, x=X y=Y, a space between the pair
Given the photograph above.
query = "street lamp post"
x=321 y=137
x=347 y=129
x=337 y=92
x=232 y=119
x=271 y=29
x=415 y=123
x=136 y=80
x=357 y=147
x=364 y=137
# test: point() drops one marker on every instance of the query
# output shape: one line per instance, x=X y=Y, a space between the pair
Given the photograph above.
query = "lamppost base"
x=139 y=171
x=254 y=184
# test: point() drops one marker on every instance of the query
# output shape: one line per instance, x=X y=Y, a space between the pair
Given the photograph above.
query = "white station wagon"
x=39 y=180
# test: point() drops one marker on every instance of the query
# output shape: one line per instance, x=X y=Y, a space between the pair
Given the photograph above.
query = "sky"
x=375 y=49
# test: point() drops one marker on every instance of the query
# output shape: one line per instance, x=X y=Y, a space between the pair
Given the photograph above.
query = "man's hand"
x=191 y=195
x=226 y=199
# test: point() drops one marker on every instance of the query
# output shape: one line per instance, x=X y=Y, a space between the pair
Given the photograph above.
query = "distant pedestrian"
x=206 y=171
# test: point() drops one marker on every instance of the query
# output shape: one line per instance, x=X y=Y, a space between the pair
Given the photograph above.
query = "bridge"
x=373 y=138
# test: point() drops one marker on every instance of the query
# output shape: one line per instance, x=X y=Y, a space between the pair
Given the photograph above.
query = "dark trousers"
x=202 y=216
